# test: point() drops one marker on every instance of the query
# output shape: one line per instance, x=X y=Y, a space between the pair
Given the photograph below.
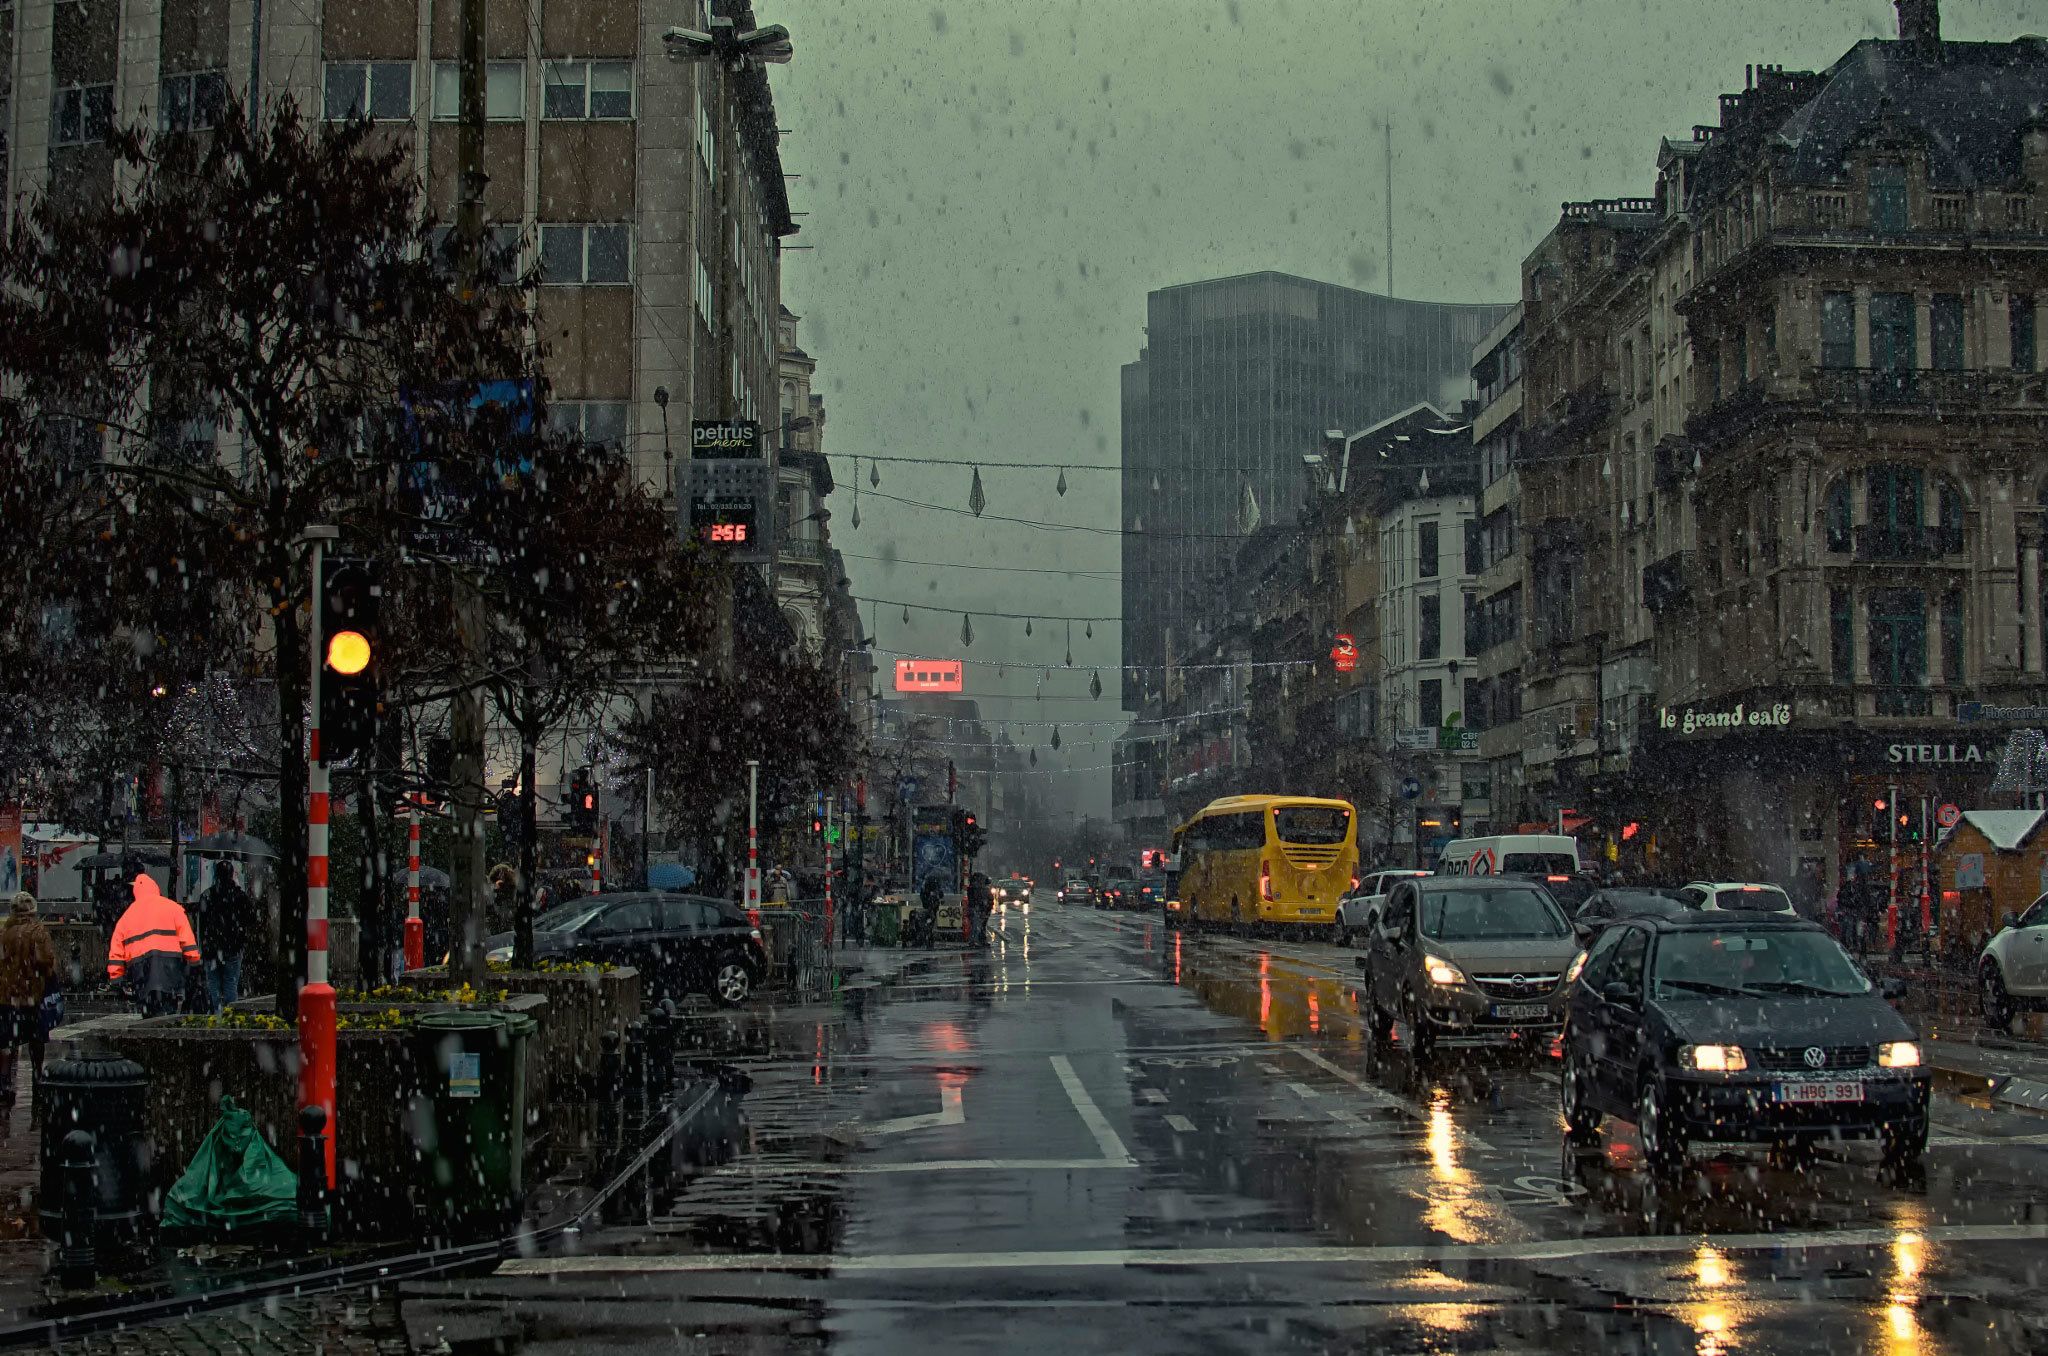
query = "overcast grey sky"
x=992 y=186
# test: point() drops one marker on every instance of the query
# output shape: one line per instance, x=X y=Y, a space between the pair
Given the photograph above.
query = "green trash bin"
x=885 y=924
x=469 y=1122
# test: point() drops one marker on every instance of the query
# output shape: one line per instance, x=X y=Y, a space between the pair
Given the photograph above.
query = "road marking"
x=1181 y=1123
x=1152 y=1095
x=939 y=1165
x=952 y=1111
x=1559 y=1249
x=1268 y=1068
x=1091 y=1114
x=1378 y=1096
x=1982 y=1141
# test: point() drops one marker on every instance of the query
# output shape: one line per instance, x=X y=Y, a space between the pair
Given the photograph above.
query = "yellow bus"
x=1267 y=860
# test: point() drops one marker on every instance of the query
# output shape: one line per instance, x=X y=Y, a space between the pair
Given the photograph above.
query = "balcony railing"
x=798 y=549
x=1907 y=541
x=1869 y=388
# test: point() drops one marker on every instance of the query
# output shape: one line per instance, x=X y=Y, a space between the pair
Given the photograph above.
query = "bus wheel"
x=1236 y=919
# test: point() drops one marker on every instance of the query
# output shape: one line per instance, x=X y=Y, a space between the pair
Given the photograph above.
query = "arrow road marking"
x=952 y=1111
x=1091 y=1114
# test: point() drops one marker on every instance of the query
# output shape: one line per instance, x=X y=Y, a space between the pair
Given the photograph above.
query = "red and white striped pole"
x=828 y=866
x=415 y=930
x=752 y=893
x=316 y=996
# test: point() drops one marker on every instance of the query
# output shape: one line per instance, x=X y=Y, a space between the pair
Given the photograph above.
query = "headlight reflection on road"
x=1709 y=1267
x=1909 y=1260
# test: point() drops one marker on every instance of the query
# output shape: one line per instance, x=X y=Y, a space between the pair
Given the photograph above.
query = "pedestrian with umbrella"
x=228 y=919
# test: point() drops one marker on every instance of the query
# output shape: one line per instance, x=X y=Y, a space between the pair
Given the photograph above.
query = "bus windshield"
x=1311 y=823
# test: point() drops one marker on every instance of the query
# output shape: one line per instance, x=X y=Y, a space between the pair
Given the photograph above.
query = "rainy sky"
x=992 y=188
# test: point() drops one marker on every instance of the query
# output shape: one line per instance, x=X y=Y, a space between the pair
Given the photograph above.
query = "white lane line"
x=952 y=1111
x=1091 y=1114
x=1305 y=1091
x=1182 y=1124
x=1381 y=1098
x=1982 y=1141
x=1268 y=1068
x=1152 y=1095
x=1384 y=1255
x=939 y=1165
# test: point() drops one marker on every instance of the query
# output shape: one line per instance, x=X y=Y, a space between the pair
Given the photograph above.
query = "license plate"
x=1520 y=1012
x=1819 y=1092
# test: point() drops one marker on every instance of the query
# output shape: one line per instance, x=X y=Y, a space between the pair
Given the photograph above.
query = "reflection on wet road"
x=1108 y=1133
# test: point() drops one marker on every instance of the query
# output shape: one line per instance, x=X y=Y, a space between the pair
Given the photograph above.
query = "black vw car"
x=1723 y=1027
x=683 y=943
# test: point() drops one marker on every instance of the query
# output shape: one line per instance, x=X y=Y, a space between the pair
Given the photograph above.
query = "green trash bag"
x=235 y=1180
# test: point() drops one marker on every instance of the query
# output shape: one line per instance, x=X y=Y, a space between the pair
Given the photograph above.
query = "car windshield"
x=1455 y=915
x=1753 y=898
x=1311 y=824
x=1695 y=964
x=564 y=917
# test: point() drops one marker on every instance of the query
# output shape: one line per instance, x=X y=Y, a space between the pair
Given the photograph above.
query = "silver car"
x=1359 y=910
x=1463 y=960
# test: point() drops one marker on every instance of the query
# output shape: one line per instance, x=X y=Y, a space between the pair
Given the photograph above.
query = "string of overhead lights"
x=953 y=723
x=1029 y=664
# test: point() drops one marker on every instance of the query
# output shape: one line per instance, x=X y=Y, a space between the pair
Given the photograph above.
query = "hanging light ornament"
x=976 y=500
x=1061 y=487
x=856 y=510
x=1607 y=468
x=1034 y=758
x=1095 y=685
x=906 y=614
x=874 y=476
x=1027 y=626
x=1070 y=645
x=1155 y=484
x=1091 y=630
x=1055 y=736
x=966 y=629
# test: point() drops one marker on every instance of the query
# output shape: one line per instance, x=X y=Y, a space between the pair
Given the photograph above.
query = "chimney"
x=1920 y=23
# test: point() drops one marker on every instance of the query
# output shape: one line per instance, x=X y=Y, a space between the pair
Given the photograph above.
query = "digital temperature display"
x=731 y=533
x=724 y=522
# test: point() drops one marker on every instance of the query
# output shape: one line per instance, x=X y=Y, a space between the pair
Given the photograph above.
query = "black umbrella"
x=433 y=878
x=235 y=844
x=102 y=861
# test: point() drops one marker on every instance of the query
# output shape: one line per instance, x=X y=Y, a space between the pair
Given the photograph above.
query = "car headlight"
x=1441 y=971
x=1713 y=1058
x=1578 y=966
x=1898 y=1055
x=501 y=954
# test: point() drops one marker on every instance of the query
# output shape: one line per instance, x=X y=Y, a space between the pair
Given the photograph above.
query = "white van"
x=1529 y=854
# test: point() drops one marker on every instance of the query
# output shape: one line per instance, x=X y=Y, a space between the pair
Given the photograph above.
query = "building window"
x=1837 y=329
x=501 y=251
x=1891 y=331
x=585 y=255
x=1429 y=629
x=586 y=89
x=1770 y=353
x=504 y=91
x=1842 y=636
x=1429 y=702
x=1426 y=550
x=1896 y=494
x=1898 y=639
x=599 y=423
x=1474 y=715
x=191 y=102
x=1945 y=331
x=1475 y=547
x=2020 y=312
x=375 y=89
x=1888 y=198
x=1952 y=638
x=81 y=115
x=1474 y=630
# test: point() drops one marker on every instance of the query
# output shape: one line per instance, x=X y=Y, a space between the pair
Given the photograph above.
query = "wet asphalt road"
x=1103 y=1136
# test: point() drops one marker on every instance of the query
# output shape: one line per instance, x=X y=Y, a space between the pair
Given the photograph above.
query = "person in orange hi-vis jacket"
x=153 y=949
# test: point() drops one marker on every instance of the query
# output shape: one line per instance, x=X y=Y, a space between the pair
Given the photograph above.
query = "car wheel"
x=1581 y=1122
x=1904 y=1145
x=1421 y=1039
x=1993 y=1000
x=1663 y=1143
x=1236 y=919
x=1382 y=1022
x=731 y=981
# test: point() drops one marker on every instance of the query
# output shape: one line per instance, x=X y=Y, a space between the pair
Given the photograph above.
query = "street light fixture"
x=736 y=51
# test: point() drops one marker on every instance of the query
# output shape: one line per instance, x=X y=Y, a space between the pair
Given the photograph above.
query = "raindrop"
x=1062 y=485
x=976 y=500
x=966 y=629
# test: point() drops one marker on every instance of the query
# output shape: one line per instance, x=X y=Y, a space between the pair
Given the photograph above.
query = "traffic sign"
x=1411 y=787
x=1948 y=815
x=908 y=787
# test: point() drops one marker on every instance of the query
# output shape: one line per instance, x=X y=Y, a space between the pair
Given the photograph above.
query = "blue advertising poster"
x=932 y=849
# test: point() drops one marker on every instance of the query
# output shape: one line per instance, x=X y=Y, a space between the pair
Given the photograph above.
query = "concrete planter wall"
x=377 y=1074
x=582 y=1005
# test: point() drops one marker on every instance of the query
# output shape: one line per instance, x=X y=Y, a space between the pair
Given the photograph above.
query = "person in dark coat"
x=980 y=903
x=228 y=922
x=928 y=896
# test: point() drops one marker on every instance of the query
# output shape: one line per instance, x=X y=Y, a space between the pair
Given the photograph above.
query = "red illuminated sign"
x=928 y=675
x=1344 y=654
x=733 y=533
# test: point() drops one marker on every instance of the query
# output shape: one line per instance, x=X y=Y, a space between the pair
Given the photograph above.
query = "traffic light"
x=350 y=644
x=582 y=801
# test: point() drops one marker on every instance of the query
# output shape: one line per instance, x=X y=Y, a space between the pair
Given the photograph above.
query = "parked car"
x=682 y=944
x=2012 y=969
x=1750 y=1027
x=1737 y=897
x=1467 y=960
x=1604 y=906
x=1359 y=910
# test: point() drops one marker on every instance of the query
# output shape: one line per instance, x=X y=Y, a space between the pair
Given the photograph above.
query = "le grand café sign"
x=1930 y=750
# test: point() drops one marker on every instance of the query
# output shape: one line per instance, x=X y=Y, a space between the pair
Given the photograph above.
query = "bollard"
x=76 y=1268
x=636 y=1065
x=661 y=1050
x=313 y=1171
